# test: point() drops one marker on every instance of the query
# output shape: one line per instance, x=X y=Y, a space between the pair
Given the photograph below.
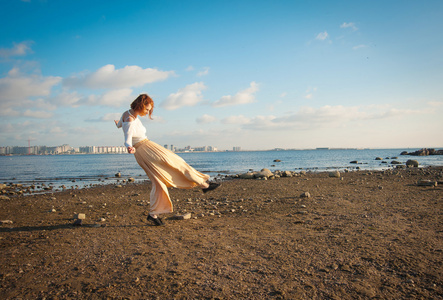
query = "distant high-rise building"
x=236 y=148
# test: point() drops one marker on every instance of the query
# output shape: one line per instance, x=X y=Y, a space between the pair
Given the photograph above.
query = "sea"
x=84 y=170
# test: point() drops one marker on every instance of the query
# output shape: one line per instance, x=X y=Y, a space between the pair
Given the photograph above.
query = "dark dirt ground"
x=365 y=235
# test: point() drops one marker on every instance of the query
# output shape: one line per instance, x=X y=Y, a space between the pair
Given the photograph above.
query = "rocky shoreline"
x=325 y=235
x=423 y=152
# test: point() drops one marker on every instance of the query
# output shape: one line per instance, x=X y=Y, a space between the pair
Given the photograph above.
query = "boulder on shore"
x=334 y=174
x=412 y=163
x=264 y=173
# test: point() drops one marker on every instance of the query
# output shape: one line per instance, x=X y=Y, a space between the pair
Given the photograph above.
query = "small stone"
x=186 y=216
x=305 y=195
x=80 y=216
x=118 y=175
x=53 y=210
x=130 y=179
x=427 y=183
x=3 y=197
x=6 y=222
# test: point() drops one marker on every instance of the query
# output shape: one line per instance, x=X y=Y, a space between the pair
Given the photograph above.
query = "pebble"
x=305 y=195
x=427 y=183
x=6 y=222
x=80 y=216
x=186 y=216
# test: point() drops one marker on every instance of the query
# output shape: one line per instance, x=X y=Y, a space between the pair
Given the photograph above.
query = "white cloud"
x=243 y=97
x=328 y=117
x=66 y=99
x=113 y=98
x=190 y=95
x=309 y=94
x=110 y=117
x=20 y=49
x=38 y=114
x=109 y=77
x=435 y=103
x=190 y=68
x=205 y=119
x=349 y=25
x=322 y=36
x=238 y=120
x=203 y=72
x=17 y=89
x=263 y=123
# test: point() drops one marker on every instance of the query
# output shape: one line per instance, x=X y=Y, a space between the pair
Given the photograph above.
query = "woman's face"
x=146 y=110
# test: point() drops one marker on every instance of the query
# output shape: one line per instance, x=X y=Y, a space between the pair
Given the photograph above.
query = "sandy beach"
x=361 y=236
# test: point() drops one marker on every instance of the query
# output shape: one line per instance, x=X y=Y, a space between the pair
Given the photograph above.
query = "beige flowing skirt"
x=165 y=169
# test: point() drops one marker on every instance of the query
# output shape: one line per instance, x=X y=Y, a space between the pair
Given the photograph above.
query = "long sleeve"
x=128 y=130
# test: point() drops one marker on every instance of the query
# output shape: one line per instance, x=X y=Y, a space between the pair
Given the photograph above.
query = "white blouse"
x=134 y=131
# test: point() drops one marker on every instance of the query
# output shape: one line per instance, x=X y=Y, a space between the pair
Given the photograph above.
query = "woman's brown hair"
x=141 y=102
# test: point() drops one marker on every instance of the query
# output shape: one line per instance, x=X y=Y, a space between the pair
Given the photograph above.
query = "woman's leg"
x=160 y=203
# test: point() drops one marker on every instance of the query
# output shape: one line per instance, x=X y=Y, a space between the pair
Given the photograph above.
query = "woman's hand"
x=131 y=150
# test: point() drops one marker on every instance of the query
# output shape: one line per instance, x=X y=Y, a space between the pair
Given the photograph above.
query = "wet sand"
x=364 y=235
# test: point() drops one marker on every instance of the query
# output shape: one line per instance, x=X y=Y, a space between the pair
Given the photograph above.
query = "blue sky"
x=255 y=74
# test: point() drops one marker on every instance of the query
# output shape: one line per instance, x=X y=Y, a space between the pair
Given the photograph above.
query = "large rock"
x=286 y=174
x=248 y=175
x=334 y=174
x=264 y=173
x=412 y=163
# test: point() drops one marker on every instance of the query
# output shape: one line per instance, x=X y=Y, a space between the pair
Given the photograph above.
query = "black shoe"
x=212 y=186
x=157 y=221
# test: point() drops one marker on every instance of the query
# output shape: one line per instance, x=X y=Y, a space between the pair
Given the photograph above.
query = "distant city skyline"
x=256 y=73
x=67 y=149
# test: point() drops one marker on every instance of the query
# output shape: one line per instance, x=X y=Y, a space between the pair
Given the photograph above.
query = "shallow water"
x=92 y=169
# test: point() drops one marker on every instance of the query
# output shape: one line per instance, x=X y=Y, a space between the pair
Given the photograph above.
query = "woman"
x=163 y=167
